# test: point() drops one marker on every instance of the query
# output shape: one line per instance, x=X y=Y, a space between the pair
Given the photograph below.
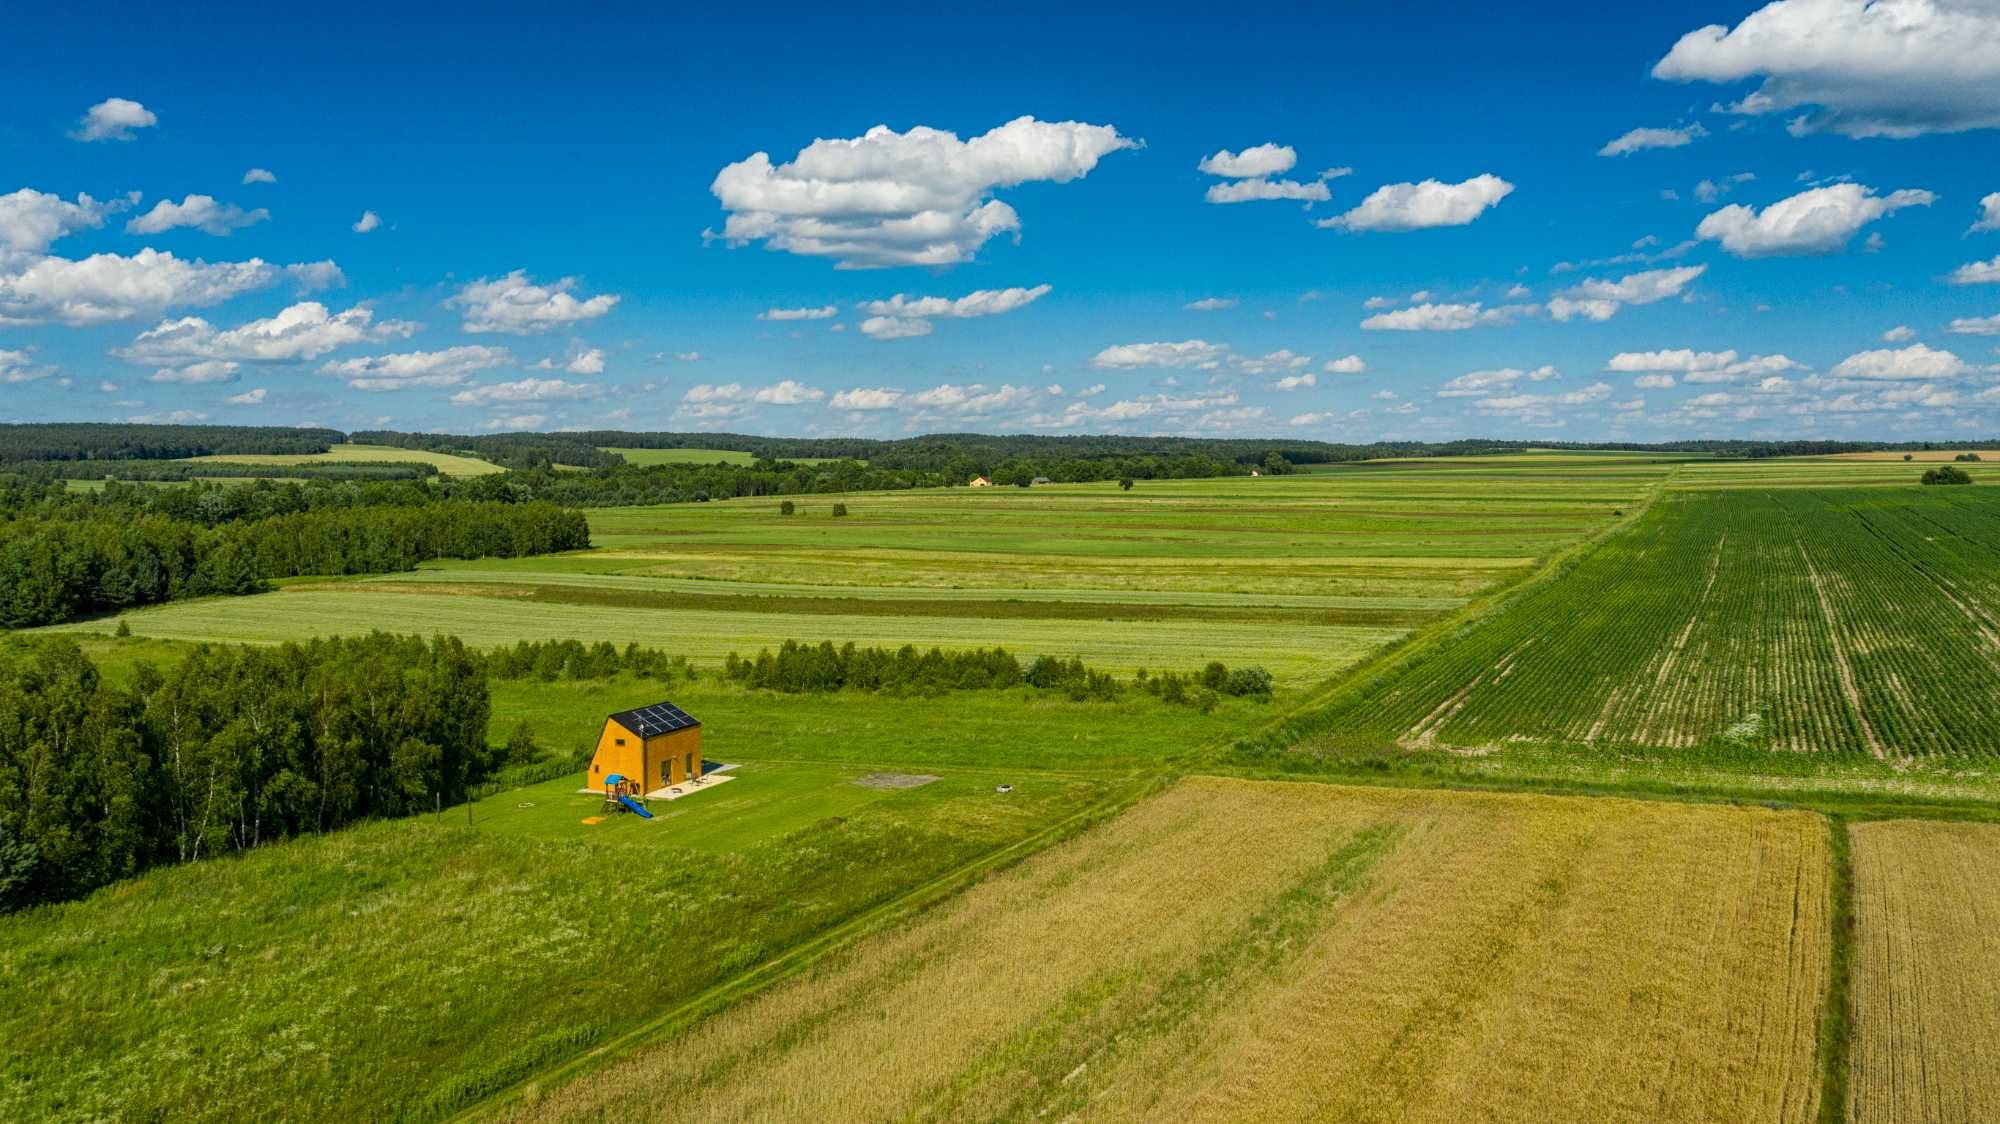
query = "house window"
x=621 y=741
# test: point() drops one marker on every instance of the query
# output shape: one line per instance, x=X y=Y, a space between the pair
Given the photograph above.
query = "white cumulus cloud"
x=824 y=312
x=526 y=390
x=1895 y=364
x=1185 y=353
x=259 y=175
x=1258 y=160
x=106 y=287
x=866 y=398
x=407 y=370
x=1210 y=304
x=1445 y=317
x=1420 y=206
x=1596 y=299
x=1345 y=365
x=306 y=330
x=30 y=219
x=199 y=212
x=1989 y=214
x=1474 y=384
x=1819 y=220
x=114 y=119
x=517 y=305
x=1638 y=140
x=368 y=221
x=1976 y=273
x=1862 y=68
x=921 y=197
x=901 y=317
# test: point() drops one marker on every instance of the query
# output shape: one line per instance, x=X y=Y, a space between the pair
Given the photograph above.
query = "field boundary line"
x=1836 y=1019
x=805 y=954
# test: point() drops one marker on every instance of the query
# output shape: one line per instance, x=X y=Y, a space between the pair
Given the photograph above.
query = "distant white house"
x=1254 y=472
x=979 y=482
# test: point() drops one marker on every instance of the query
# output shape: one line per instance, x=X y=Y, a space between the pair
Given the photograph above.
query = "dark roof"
x=652 y=721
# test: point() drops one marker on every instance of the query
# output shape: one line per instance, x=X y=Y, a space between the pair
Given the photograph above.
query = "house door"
x=666 y=771
x=688 y=772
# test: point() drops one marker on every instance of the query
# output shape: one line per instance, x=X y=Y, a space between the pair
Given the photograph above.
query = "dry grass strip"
x=1235 y=950
x=1926 y=972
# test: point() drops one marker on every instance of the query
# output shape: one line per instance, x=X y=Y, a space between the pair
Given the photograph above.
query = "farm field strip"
x=1301 y=575
x=1358 y=954
x=446 y=463
x=1801 y=472
x=1926 y=1038
x=1304 y=653
x=1844 y=622
x=454 y=573
x=1081 y=606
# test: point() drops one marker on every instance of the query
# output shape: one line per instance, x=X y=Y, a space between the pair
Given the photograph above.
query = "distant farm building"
x=1254 y=472
x=658 y=746
x=1040 y=480
x=979 y=482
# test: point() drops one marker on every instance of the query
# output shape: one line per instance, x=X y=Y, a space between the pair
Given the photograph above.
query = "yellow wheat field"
x=1237 y=950
x=1926 y=972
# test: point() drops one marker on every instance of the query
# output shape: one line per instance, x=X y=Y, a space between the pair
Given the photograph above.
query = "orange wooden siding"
x=655 y=762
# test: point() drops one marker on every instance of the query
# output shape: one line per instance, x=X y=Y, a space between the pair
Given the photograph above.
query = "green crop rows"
x=1843 y=622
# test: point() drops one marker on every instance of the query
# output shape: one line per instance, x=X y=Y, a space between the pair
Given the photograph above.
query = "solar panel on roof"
x=660 y=718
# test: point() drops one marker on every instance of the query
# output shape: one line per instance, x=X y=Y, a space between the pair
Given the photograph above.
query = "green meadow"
x=697 y=456
x=411 y=969
x=447 y=463
x=1303 y=575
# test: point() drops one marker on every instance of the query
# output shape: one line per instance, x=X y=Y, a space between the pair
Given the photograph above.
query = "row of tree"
x=231 y=748
x=54 y=570
x=797 y=668
x=550 y=660
x=119 y=441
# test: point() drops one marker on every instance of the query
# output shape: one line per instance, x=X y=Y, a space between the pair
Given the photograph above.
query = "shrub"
x=1970 y=457
x=1946 y=474
x=787 y=508
x=1244 y=682
x=124 y=628
x=839 y=510
x=1125 y=482
x=1213 y=675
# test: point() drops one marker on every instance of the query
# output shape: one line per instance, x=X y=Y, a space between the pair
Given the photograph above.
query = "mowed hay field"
x=1240 y=950
x=446 y=463
x=698 y=456
x=1302 y=575
x=1927 y=972
x=1863 y=623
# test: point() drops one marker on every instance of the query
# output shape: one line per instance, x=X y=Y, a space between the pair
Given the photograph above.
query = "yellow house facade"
x=657 y=746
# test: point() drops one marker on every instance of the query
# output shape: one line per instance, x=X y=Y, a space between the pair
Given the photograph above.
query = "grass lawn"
x=406 y=967
x=447 y=463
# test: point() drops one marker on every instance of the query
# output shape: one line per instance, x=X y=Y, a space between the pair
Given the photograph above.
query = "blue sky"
x=1576 y=221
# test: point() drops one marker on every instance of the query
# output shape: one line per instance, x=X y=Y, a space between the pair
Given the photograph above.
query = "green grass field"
x=447 y=463
x=698 y=456
x=406 y=967
x=1795 y=629
x=1303 y=575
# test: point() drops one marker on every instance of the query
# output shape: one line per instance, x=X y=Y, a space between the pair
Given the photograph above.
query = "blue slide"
x=635 y=806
